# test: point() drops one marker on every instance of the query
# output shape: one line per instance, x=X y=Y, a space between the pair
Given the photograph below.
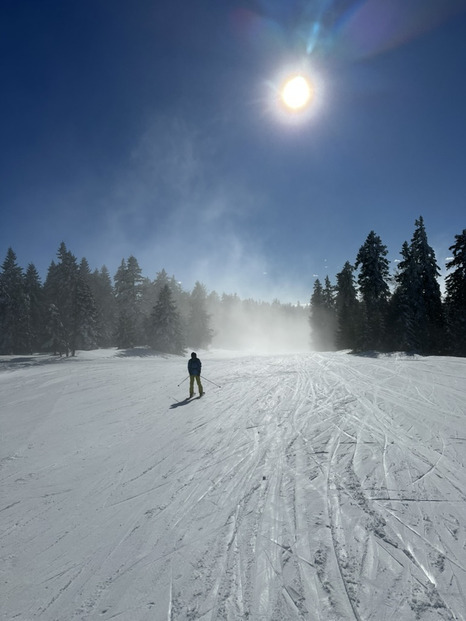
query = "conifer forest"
x=368 y=306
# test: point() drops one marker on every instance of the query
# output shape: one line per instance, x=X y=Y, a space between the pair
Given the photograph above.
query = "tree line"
x=366 y=309
x=370 y=309
x=76 y=308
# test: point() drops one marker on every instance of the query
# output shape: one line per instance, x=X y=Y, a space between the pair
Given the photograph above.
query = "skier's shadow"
x=184 y=402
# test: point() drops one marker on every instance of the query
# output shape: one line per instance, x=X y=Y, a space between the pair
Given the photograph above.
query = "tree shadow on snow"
x=384 y=354
x=141 y=352
x=22 y=360
x=29 y=361
x=365 y=354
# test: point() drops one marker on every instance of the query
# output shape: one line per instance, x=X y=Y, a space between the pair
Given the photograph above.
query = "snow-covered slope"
x=308 y=486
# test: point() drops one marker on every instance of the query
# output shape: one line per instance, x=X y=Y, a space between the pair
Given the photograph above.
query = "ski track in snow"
x=309 y=486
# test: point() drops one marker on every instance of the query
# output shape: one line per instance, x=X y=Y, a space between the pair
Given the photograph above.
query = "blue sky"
x=155 y=129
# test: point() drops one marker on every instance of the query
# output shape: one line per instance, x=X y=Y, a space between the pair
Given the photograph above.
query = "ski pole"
x=208 y=380
x=183 y=381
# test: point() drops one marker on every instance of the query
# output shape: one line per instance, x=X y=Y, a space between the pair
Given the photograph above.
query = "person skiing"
x=194 y=370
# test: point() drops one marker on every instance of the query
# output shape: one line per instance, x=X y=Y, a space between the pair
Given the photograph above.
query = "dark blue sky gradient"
x=152 y=129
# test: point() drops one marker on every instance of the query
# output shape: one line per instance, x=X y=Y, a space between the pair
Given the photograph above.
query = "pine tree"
x=60 y=291
x=427 y=299
x=36 y=308
x=14 y=324
x=150 y=292
x=54 y=333
x=182 y=300
x=455 y=302
x=373 y=285
x=148 y=299
x=322 y=316
x=347 y=309
x=161 y=279
x=85 y=311
x=71 y=307
x=56 y=340
x=403 y=318
x=166 y=329
x=106 y=312
x=128 y=292
x=199 y=332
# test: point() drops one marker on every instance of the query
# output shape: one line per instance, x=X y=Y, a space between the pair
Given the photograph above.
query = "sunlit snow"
x=306 y=486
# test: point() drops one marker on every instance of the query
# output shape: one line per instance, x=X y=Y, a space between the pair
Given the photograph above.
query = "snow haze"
x=302 y=486
x=262 y=328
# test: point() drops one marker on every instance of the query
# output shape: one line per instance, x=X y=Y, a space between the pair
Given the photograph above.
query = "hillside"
x=304 y=486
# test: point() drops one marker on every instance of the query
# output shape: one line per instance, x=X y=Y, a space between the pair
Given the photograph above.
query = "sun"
x=297 y=93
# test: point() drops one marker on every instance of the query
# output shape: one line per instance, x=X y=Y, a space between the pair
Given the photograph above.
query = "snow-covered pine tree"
x=347 y=309
x=455 y=301
x=166 y=332
x=374 y=289
x=199 y=333
x=14 y=311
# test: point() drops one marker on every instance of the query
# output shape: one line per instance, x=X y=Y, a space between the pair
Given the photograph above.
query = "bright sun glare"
x=297 y=93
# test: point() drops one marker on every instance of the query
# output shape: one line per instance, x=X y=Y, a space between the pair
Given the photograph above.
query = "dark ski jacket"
x=194 y=366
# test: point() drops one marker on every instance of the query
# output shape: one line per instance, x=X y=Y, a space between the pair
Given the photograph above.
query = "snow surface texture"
x=309 y=486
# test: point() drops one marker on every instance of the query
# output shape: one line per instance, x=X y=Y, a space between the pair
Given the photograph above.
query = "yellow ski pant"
x=191 y=384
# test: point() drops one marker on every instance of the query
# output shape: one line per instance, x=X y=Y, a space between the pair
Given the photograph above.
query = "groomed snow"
x=307 y=486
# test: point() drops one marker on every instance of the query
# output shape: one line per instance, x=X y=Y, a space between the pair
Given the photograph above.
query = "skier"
x=194 y=369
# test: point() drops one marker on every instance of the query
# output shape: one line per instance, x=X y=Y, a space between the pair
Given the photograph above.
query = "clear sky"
x=156 y=129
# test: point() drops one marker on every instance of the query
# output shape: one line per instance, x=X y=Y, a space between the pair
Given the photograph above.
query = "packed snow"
x=320 y=486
